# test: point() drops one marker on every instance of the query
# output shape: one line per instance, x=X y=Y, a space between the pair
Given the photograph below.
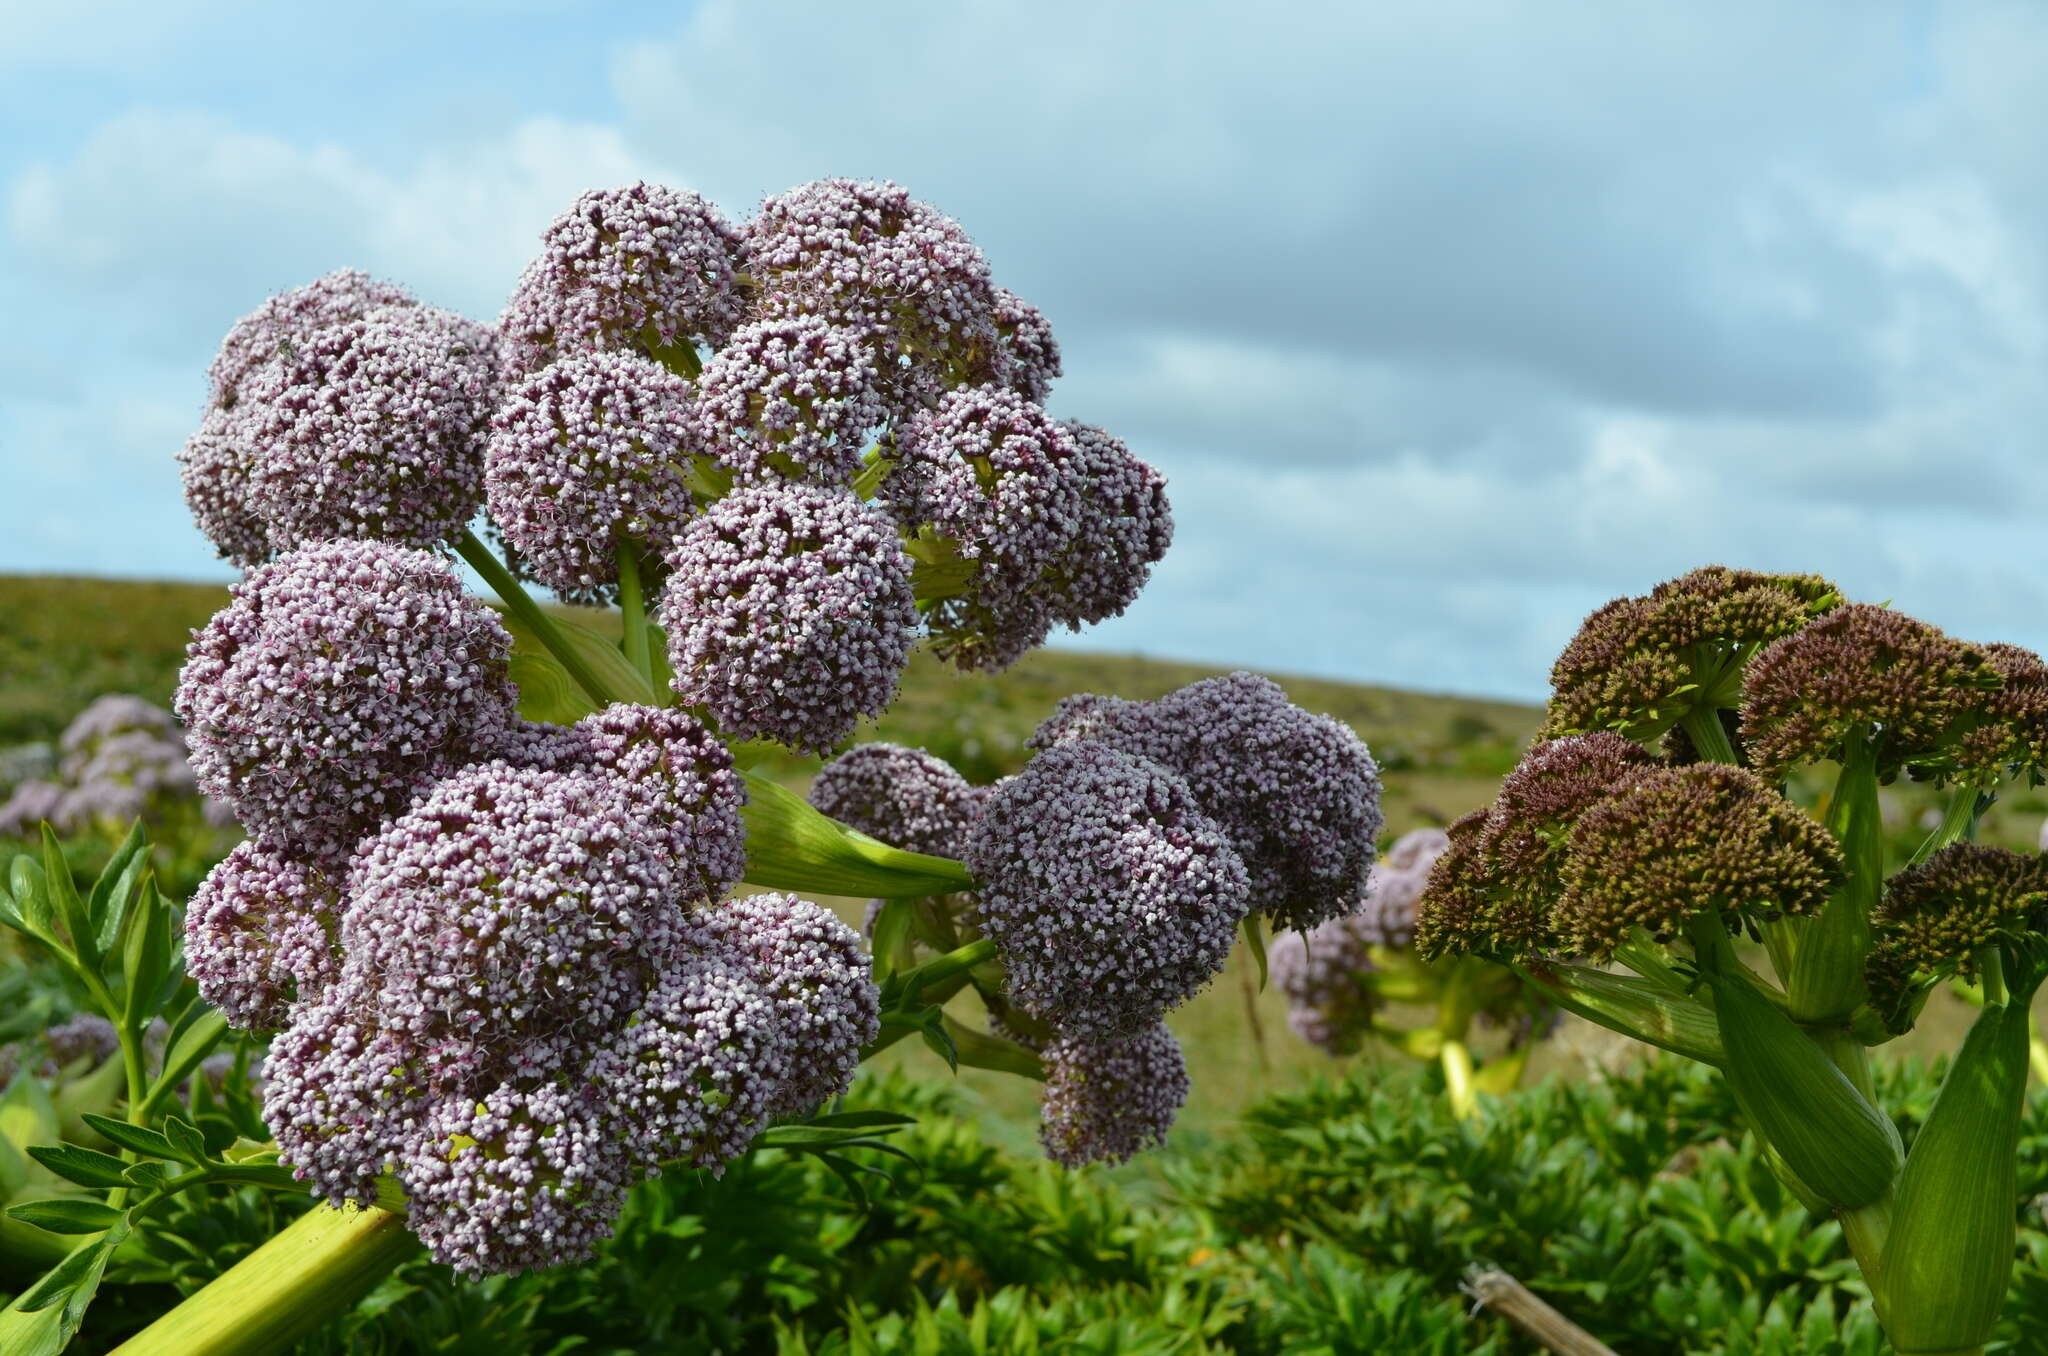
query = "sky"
x=1447 y=320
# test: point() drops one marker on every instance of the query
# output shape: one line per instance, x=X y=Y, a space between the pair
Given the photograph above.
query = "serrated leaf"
x=148 y=1173
x=871 y=1119
x=133 y=1137
x=87 y=1167
x=941 y=1041
x=66 y=1215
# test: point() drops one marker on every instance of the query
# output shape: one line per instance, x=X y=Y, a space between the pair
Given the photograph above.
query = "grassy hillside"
x=65 y=641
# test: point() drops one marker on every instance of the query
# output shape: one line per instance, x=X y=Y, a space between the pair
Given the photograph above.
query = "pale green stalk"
x=521 y=605
x=633 y=609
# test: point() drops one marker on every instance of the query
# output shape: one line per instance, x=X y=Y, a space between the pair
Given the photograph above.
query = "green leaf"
x=66 y=1215
x=114 y=891
x=1255 y=939
x=791 y=846
x=70 y=908
x=186 y=1139
x=146 y=1174
x=147 y=958
x=133 y=1137
x=43 y=1321
x=940 y=1040
x=31 y=896
x=87 y=1167
x=870 y=1119
x=192 y=1040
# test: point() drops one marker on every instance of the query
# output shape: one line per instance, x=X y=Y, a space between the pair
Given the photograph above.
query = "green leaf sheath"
x=1824 y=982
x=1842 y=1149
x=791 y=846
x=1640 y=1008
x=1950 y=1250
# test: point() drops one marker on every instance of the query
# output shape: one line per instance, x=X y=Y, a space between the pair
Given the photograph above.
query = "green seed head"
x=1870 y=672
x=1674 y=843
x=1638 y=664
x=1493 y=890
x=1936 y=917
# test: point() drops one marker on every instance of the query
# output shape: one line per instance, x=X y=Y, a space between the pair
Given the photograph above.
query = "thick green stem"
x=1708 y=737
x=959 y=962
x=285 y=1289
x=520 y=604
x=633 y=607
x=1456 y=1059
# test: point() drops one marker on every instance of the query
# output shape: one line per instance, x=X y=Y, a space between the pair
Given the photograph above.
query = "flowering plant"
x=1652 y=828
x=488 y=904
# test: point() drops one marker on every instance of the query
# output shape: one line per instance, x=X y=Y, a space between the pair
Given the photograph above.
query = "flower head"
x=1936 y=917
x=1110 y=895
x=1386 y=916
x=1638 y=665
x=903 y=797
x=583 y=452
x=260 y=934
x=341 y=680
x=821 y=979
x=642 y=268
x=1108 y=1100
x=1676 y=843
x=1297 y=794
x=275 y=328
x=1000 y=492
x=1320 y=972
x=509 y=905
x=792 y=398
x=789 y=613
x=530 y=1175
x=1125 y=529
x=1029 y=356
x=215 y=466
x=1862 y=673
x=373 y=427
x=869 y=256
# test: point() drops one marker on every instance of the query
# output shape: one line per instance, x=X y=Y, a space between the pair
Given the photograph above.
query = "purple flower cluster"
x=276 y=328
x=373 y=428
x=903 y=797
x=340 y=681
x=1023 y=523
x=1325 y=971
x=260 y=933
x=532 y=998
x=1296 y=794
x=789 y=613
x=793 y=398
x=584 y=452
x=869 y=257
x=644 y=268
x=1107 y=1100
x=122 y=758
x=1110 y=895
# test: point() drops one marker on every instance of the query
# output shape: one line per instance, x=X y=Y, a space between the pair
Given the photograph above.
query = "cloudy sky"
x=1446 y=320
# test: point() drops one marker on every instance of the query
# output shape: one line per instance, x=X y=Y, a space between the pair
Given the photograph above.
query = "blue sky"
x=1447 y=320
